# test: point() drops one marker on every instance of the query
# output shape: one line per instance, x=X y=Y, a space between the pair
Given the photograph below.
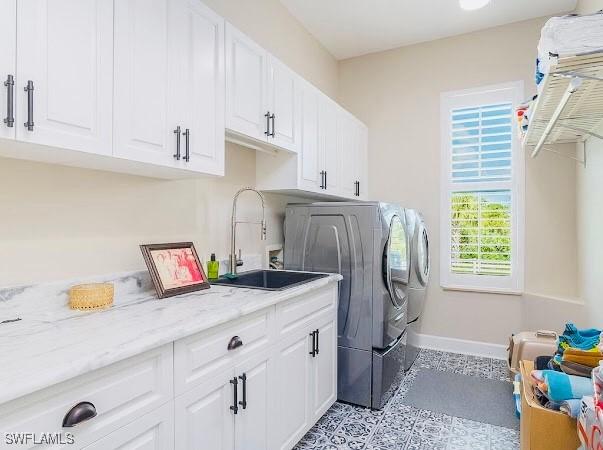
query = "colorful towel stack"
x=568 y=375
x=560 y=391
x=578 y=351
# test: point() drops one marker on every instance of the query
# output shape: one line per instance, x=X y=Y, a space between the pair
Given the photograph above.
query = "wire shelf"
x=569 y=108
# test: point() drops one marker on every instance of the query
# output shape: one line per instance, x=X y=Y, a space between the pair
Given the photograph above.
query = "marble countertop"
x=52 y=343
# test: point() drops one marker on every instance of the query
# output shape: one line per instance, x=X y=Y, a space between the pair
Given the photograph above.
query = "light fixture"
x=470 y=5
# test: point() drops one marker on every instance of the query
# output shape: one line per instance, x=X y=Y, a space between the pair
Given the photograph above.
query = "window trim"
x=513 y=284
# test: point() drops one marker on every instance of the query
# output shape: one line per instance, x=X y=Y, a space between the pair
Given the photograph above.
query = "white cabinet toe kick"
x=257 y=383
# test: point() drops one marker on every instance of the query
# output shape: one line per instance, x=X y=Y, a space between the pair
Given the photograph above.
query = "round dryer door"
x=396 y=260
x=422 y=266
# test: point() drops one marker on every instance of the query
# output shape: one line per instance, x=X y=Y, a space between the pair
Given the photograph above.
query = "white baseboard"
x=462 y=346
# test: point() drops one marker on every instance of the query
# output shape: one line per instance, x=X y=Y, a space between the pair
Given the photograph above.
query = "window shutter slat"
x=479 y=133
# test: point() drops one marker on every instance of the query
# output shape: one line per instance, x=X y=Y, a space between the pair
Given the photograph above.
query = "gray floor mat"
x=465 y=396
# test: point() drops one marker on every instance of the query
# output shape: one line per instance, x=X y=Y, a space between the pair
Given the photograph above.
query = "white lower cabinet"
x=229 y=411
x=323 y=382
x=254 y=417
x=203 y=416
x=306 y=369
x=306 y=384
x=257 y=383
x=152 y=431
x=292 y=389
x=117 y=394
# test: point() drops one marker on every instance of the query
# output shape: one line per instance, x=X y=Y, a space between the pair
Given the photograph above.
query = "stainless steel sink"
x=269 y=280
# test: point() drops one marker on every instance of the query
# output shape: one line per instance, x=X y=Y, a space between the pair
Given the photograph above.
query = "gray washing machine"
x=367 y=243
x=419 y=276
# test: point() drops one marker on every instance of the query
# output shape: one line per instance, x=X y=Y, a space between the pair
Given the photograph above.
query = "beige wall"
x=590 y=214
x=60 y=222
x=589 y=6
x=397 y=93
x=590 y=225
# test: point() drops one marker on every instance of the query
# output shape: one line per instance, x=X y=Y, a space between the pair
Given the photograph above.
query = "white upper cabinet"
x=246 y=102
x=331 y=162
x=158 y=86
x=169 y=84
x=347 y=144
x=312 y=173
x=64 y=80
x=200 y=43
x=353 y=158
x=362 y=171
x=283 y=105
x=8 y=37
x=262 y=95
x=146 y=79
x=329 y=151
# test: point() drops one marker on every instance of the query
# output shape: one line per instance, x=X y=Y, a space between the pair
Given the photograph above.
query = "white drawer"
x=206 y=354
x=298 y=312
x=154 y=430
x=120 y=393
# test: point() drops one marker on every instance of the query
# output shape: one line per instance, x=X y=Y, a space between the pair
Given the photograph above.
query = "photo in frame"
x=174 y=268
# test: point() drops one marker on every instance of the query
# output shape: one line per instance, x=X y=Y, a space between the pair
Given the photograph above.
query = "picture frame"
x=175 y=268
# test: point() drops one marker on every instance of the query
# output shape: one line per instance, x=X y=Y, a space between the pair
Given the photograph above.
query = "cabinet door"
x=245 y=85
x=154 y=430
x=65 y=48
x=145 y=81
x=8 y=52
x=200 y=37
x=292 y=390
x=348 y=153
x=329 y=151
x=324 y=369
x=283 y=101
x=204 y=420
x=253 y=420
x=311 y=164
x=362 y=170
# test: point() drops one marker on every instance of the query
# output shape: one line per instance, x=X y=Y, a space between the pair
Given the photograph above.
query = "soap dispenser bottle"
x=213 y=268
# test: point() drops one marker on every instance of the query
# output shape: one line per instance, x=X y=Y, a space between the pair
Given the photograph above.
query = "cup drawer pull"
x=81 y=412
x=235 y=342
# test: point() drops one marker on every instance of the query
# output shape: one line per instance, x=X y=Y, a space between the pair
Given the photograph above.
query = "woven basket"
x=91 y=296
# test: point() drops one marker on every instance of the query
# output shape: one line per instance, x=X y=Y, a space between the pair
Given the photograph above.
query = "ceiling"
x=350 y=28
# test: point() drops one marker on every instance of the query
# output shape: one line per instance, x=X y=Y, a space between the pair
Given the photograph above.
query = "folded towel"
x=572 y=368
x=561 y=387
x=587 y=358
x=569 y=35
x=572 y=330
x=571 y=407
x=585 y=339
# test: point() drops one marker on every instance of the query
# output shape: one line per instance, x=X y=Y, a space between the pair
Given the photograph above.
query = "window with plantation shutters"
x=482 y=190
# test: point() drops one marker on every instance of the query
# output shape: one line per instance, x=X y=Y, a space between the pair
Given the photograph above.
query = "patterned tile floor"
x=401 y=427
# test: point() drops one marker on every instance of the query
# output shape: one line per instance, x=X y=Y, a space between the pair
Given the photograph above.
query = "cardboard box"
x=541 y=428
